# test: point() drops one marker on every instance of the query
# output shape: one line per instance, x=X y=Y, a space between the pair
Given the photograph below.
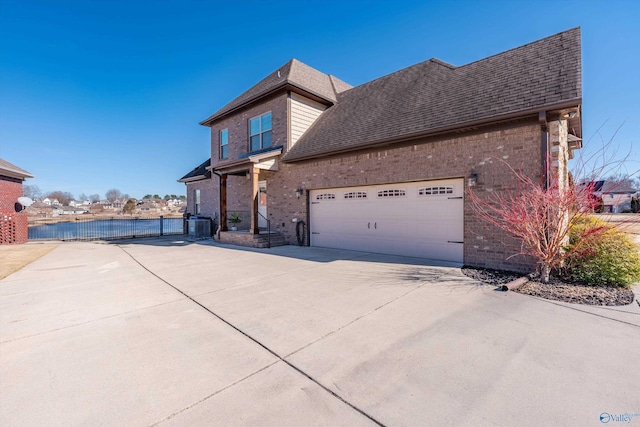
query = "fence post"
x=161 y=225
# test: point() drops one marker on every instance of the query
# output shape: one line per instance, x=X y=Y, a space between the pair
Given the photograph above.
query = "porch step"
x=252 y=240
x=276 y=239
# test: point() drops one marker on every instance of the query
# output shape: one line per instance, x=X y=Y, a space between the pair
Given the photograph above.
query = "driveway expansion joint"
x=75 y=325
x=265 y=347
x=586 y=312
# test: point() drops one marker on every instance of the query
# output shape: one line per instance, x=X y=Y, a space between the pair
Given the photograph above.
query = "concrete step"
x=262 y=240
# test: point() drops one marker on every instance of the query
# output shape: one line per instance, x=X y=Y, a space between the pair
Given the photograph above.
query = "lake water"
x=105 y=229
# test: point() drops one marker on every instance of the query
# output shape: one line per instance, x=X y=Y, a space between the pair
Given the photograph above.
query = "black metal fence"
x=80 y=228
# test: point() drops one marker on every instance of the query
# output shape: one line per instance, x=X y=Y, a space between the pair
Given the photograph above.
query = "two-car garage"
x=419 y=219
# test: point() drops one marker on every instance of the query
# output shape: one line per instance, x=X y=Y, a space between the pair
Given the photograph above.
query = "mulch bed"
x=556 y=289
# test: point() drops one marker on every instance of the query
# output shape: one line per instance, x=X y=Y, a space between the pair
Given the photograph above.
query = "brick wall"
x=434 y=158
x=13 y=226
x=238 y=126
x=453 y=156
x=208 y=196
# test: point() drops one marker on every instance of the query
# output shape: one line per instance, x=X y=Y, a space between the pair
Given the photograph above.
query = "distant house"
x=73 y=210
x=616 y=196
x=149 y=206
x=46 y=201
x=106 y=204
x=386 y=166
x=40 y=209
x=14 y=227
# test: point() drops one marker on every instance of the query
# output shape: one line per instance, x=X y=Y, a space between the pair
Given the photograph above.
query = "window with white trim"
x=224 y=143
x=260 y=132
x=392 y=193
x=355 y=195
x=434 y=191
x=325 y=196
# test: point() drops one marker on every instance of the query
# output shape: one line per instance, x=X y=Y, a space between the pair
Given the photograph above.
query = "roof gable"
x=433 y=96
x=293 y=73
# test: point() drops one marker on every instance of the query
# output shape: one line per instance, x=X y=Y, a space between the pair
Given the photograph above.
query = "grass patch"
x=14 y=257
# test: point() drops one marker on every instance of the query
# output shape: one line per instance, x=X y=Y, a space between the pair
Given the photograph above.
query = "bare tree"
x=112 y=194
x=94 y=198
x=541 y=215
x=32 y=191
x=64 y=197
x=82 y=197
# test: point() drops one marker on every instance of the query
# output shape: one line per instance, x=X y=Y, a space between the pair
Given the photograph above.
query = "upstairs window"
x=224 y=143
x=260 y=132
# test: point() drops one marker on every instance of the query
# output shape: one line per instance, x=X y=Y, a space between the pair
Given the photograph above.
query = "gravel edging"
x=555 y=290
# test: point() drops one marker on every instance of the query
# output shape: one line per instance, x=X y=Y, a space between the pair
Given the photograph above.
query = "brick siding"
x=238 y=126
x=13 y=226
x=208 y=196
x=452 y=156
x=435 y=158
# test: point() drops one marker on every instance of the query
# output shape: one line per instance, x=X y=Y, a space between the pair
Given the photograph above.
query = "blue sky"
x=108 y=94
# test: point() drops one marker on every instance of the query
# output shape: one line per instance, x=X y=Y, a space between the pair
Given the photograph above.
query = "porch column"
x=223 y=202
x=255 y=193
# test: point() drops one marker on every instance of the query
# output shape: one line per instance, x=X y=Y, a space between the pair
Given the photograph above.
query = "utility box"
x=199 y=227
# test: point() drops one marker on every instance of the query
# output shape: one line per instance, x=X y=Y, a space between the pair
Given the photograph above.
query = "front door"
x=262 y=204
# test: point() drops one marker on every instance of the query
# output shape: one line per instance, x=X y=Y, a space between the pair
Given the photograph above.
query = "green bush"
x=606 y=257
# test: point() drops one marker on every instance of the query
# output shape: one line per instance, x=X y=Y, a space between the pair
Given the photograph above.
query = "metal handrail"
x=268 y=229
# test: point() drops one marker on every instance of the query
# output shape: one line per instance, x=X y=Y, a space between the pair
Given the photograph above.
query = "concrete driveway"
x=174 y=333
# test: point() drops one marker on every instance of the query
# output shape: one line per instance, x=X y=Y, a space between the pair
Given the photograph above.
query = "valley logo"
x=606 y=417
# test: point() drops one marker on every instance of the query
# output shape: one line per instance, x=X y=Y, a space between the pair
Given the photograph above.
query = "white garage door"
x=418 y=219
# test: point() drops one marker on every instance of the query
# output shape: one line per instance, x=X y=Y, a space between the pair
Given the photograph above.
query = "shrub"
x=607 y=258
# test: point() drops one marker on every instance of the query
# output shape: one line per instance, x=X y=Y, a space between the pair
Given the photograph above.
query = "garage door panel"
x=413 y=219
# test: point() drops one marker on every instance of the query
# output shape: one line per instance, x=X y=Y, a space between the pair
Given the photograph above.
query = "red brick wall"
x=13 y=226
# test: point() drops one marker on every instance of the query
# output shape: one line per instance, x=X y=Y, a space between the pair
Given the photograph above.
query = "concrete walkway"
x=169 y=332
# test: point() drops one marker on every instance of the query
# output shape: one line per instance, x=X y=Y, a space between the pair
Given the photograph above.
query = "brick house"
x=13 y=225
x=386 y=166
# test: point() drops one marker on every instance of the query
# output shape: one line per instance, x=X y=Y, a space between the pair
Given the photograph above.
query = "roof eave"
x=284 y=85
x=193 y=178
x=15 y=174
x=443 y=129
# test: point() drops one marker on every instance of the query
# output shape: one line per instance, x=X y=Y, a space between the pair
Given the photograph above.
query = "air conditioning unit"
x=199 y=227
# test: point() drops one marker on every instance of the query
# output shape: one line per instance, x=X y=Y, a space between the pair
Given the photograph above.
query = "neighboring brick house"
x=14 y=227
x=386 y=166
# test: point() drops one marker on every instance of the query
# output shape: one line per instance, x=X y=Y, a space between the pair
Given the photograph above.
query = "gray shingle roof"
x=294 y=73
x=9 y=169
x=432 y=96
x=200 y=172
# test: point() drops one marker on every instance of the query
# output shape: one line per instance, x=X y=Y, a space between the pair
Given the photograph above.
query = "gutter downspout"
x=544 y=147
